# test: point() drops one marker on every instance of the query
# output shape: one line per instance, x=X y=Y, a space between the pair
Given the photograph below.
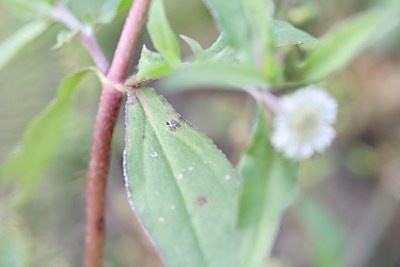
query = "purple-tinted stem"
x=106 y=118
x=86 y=36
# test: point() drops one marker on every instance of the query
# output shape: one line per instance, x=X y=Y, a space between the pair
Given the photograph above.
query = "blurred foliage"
x=326 y=233
x=268 y=189
x=49 y=227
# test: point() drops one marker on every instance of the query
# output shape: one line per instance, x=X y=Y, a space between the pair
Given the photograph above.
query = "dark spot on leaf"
x=143 y=136
x=201 y=201
x=173 y=125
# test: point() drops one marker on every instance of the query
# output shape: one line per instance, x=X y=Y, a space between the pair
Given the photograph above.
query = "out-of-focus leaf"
x=345 y=42
x=217 y=49
x=269 y=186
x=30 y=8
x=16 y=42
x=124 y=5
x=180 y=185
x=231 y=18
x=161 y=34
x=221 y=76
x=152 y=65
x=65 y=36
x=287 y=34
x=195 y=46
x=15 y=245
x=326 y=232
x=41 y=139
x=220 y=53
x=113 y=8
x=259 y=15
x=240 y=23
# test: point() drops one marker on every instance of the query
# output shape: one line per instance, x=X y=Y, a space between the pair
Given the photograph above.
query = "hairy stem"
x=109 y=106
x=85 y=36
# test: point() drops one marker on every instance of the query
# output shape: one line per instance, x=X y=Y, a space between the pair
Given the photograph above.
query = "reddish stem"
x=95 y=51
x=109 y=106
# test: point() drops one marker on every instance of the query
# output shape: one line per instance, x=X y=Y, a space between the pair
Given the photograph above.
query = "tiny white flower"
x=304 y=123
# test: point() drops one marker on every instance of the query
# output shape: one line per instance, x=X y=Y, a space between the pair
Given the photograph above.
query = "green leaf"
x=269 y=186
x=124 y=5
x=326 y=232
x=64 y=37
x=195 y=46
x=259 y=14
x=345 y=42
x=29 y=9
x=247 y=28
x=180 y=185
x=232 y=20
x=220 y=53
x=217 y=50
x=15 y=43
x=41 y=139
x=216 y=75
x=287 y=34
x=161 y=34
x=152 y=65
x=111 y=9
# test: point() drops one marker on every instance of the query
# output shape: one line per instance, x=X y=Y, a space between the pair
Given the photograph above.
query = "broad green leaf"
x=16 y=42
x=183 y=188
x=161 y=34
x=30 y=8
x=112 y=8
x=195 y=46
x=222 y=76
x=286 y=34
x=64 y=37
x=152 y=65
x=345 y=42
x=326 y=232
x=231 y=18
x=41 y=139
x=269 y=186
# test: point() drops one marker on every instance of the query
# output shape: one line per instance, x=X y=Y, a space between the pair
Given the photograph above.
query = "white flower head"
x=303 y=126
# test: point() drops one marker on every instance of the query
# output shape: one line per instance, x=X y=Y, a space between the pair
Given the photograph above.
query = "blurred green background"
x=347 y=211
